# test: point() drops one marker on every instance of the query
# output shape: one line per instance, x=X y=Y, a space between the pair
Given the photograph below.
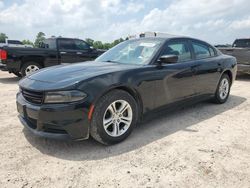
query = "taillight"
x=3 y=55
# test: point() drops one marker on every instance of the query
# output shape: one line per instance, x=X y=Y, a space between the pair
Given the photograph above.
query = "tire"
x=27 y=68
x=115 y=99
x=18 y=74
x=223 y=90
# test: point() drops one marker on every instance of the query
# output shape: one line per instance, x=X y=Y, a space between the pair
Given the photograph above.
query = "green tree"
x=3 y=36
x=98 y=45
x=39 y=38
x=107 y=46
x=28 y=42
x=90 y=41
x=117 y=41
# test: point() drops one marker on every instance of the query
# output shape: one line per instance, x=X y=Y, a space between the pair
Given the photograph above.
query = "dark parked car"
x=54 y=51
x=241 y=50
x=107 y=97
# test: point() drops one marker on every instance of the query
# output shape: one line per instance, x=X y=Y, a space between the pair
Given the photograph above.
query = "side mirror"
x=168 y=59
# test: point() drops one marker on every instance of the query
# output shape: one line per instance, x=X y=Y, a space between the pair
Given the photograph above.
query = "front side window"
x=81 y=45
x=178 y=48
x=201 y=50
x=132 y=51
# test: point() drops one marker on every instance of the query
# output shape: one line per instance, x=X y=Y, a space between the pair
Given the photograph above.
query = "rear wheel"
x=29 y=68
x=114 y=117
x=223 y=90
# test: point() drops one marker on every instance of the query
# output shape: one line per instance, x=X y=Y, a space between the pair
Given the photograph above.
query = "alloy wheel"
x=117 y=118
x=224 y=88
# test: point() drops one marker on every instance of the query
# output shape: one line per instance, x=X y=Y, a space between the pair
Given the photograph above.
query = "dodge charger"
x=107 y=97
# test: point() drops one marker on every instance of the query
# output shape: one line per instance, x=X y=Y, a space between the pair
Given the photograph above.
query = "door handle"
x=63 y=52
x=79 y=53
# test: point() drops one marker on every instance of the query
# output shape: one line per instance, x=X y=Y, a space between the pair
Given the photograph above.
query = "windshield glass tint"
x=132 y=51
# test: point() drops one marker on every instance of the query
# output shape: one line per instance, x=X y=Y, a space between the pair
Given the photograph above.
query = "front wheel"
x=114 y=117
x=223 y=90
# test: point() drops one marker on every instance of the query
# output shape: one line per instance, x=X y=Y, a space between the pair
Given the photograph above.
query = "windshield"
x=132 y=51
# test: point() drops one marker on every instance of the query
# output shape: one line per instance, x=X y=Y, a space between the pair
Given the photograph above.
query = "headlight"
x=64 y=96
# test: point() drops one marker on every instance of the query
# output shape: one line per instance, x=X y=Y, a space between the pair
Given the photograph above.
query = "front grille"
x=33 y=96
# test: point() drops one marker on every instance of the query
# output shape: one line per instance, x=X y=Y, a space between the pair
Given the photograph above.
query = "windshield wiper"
x=111 y=61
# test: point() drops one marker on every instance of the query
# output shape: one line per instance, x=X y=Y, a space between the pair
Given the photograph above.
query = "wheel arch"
x=133 y=92
x=230 y=74
x=37 y=59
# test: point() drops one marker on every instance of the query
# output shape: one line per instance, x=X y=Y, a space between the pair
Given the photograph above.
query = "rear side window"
x=201 y=50
x=212 y=52
x=66 y=44
x=178 y=48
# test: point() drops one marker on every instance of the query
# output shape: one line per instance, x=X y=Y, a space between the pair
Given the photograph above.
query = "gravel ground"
x=204 y=145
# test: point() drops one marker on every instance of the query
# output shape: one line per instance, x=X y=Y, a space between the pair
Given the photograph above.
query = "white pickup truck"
x=14 y=43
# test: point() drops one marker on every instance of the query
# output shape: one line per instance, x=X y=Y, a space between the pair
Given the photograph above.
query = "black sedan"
x=106 y=98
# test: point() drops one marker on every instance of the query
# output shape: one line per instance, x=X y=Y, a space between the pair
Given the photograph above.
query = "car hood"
x=63 y=76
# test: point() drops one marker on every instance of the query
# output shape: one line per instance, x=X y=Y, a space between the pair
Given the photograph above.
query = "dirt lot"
x=205 y=145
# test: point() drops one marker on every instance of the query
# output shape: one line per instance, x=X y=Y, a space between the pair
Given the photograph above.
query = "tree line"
x=40 y=37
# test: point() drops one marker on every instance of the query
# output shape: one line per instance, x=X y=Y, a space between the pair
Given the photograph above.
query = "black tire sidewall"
x=25 y=65
x=217 y=95
x=97 y=120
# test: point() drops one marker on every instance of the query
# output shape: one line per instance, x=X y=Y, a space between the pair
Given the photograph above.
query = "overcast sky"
x=216 y=21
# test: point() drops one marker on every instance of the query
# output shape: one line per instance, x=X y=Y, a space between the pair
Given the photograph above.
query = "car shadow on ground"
x=163 y=124
x=243 y=77
x=9 y=80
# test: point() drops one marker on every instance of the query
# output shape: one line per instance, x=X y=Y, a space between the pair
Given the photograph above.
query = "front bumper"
x=57 y=121
x=243 y=68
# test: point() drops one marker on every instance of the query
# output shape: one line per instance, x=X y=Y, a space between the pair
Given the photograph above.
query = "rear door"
x=208 y=66
x=67 y=51
x=177 y=81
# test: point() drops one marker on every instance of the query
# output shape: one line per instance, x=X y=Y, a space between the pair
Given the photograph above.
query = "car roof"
x=168 y=38
x=60 y=38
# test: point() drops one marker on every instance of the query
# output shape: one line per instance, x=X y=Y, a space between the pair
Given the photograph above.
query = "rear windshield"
x=242 y=43
x=50 y=43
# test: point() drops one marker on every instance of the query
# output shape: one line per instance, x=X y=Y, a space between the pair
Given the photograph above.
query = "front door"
x=176 y=81
x=84 y=51
x=67 y=51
